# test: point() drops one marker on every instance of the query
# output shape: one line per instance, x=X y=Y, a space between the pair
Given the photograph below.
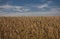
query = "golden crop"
x=30 y=27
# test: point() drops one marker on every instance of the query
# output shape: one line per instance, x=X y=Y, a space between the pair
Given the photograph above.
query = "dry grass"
x=30 y=27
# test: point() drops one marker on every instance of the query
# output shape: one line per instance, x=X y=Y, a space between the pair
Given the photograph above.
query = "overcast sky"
x=29 y=7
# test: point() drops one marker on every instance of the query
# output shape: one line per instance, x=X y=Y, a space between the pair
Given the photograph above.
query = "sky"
x=29 y=7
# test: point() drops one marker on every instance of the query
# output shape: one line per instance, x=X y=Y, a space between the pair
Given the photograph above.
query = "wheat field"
x=39 y=27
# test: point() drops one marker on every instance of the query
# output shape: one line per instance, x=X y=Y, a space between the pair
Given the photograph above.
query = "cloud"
x=13 y=8
x=6 y=6
x=51 y=12
x=42 y=6
x=34 y=10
